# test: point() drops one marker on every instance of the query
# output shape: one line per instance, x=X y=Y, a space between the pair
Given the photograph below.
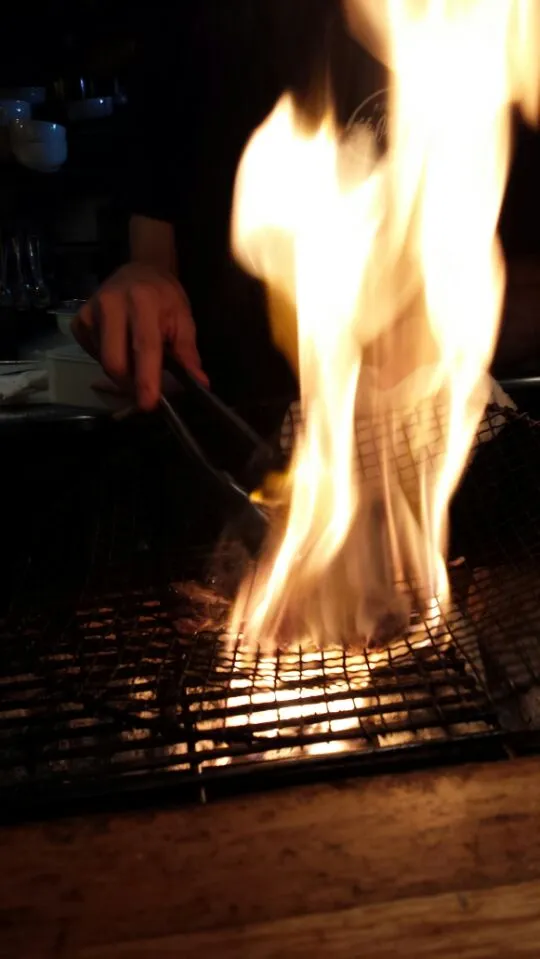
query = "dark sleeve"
x=160 y=105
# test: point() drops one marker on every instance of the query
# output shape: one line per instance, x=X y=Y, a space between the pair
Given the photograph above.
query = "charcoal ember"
x=391 y=626
x=188 y=626
x=199 y=608
x=196 y=594
x=229 y=565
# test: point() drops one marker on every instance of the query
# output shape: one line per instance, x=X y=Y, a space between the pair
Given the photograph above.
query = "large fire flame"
x=385 y=283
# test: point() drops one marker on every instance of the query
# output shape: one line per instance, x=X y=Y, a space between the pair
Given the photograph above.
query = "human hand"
x=130 y=320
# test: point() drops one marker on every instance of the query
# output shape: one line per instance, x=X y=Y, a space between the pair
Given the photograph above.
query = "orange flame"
x=385 y=282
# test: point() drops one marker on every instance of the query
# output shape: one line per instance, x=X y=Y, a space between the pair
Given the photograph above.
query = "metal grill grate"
x=112 y=682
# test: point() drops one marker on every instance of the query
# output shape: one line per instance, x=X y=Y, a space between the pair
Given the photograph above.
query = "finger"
x=190 y=359
x=146 y=344
x=183 y=345
x=112 y=307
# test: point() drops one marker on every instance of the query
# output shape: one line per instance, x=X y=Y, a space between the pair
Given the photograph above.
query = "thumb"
x=183 y=346
x=189 y=357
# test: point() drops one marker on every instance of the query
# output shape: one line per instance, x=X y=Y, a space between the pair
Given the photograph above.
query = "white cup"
x=38 y=145
x=14 y=110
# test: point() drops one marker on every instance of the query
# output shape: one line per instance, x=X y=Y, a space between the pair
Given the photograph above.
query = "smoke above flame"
x=385 y=283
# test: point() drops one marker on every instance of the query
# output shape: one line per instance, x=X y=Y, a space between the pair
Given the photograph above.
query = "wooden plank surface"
x=389 y=858
x=482 y=924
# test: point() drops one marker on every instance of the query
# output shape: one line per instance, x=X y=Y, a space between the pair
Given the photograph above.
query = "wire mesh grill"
x=113 y=678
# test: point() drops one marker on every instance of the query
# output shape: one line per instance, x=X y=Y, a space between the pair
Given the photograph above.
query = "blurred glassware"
x=73 y=88
x=40 y=295
x=6 y=297
x=21 y=293
x=119 y=94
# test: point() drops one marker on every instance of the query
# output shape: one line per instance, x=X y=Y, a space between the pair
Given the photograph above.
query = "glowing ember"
x=385 y=283
x=317 y=709
x=324 y=703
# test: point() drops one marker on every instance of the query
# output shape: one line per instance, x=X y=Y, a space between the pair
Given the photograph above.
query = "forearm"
x=152 y=242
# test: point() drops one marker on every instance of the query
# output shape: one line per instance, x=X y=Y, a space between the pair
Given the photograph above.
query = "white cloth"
x=16 y=385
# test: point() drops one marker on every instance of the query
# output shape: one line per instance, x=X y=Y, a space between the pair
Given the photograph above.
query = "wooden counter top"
x=440 y=865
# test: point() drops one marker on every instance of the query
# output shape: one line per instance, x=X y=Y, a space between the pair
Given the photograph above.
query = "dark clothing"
x=215 y=68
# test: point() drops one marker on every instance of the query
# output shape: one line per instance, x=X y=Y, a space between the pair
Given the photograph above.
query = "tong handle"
x=191 y=446
x=211 y=404
x=251 y=522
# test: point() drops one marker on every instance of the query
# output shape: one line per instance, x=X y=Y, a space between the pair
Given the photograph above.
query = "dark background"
x=55 y=44
x=61 y=37
x=81 y=211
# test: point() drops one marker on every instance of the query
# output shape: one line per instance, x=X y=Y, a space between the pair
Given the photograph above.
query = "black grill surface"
x=115 y=683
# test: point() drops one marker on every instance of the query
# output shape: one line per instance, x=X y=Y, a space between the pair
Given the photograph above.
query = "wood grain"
x=481 y=924
x=279 y=858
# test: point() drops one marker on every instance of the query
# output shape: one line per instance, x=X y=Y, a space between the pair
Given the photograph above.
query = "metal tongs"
x=250 y=522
